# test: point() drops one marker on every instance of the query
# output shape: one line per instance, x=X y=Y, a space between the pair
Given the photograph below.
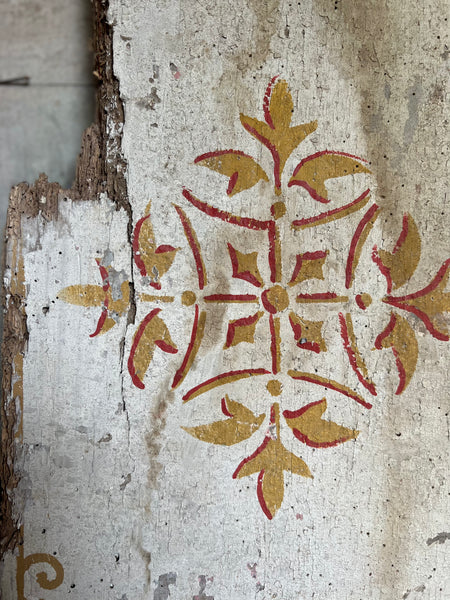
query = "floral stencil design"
x=276 y=302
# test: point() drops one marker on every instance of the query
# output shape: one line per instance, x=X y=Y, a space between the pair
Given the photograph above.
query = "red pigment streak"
x=252 y=456
x=216 y=381
x=273 y=234
x=180 y=374
x=386 y=332
x=267 y=305
x=398 y=302
x=359 y=302
x=223 y=215
x=378 y=345
x=195 y=247
x=156 y=285
x=273 y=151
x=294 y=414
x=266 y=103
x=305 y=439
x=137 y=338
x=355 y=239
x=401 y=372
x=245 y=275
x=352 y=356
x=136 y=254
x=164 y=248
x=244 y=322
x=104 y=275
x=330 y=213
x=311 y=191
x=225 y=410
x=101 y=320
x=331 y=386
x=105 y=287
x=259 y=492
x=232 y=182
x=297 y=329
x=320 y=296
x=383 y=270
x=306 y=256
x=165 y=347
x=273 y=346
x=230 y=298
x=403 y=235
x=218 y=153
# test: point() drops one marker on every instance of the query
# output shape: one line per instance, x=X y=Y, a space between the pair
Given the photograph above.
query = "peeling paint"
x=162 y=591
x=440 y=538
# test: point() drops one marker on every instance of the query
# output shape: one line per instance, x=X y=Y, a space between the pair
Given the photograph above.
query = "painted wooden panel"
x=234 y=377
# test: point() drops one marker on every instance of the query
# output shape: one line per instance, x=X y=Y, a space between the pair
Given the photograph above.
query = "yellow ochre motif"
x=279 y=291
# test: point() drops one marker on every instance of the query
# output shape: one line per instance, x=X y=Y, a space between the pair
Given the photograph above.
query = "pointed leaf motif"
x=243 y=171
x=429 y=304
x=276 y=133
x=151 y=260
x=312 y=172
x=245 y=266
x=308 y=426
x=399 y=265
x=242 y=330
x=151 y=332
x=271 y=459
x=96 y=295
x=309 y=265
x=240 y=425
x=83 y=295
x=308 y=334
x=400 y=337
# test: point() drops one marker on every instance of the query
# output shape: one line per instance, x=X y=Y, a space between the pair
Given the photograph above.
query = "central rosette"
x=275 y=299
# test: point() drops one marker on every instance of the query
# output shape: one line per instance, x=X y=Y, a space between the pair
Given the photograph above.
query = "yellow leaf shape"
x=95 y=295
x=151 y=332
x=242 y=330
x=399 y=265
x=240 y=425
x=83 y=295
x=152 y=261
x=400 y=337
x=276 y=133
x=309 y=265
x=312 y=172
x=243 y=171
x=429 y=303
x=308 y=334
x=270 y=460
x=308 y=426
x=245 y=266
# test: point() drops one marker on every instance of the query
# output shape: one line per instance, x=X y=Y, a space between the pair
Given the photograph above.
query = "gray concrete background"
x=49 y=42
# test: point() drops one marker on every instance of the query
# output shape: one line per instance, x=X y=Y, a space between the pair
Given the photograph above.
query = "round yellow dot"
x=278 y=210
x=188 y=298
x=274 y=387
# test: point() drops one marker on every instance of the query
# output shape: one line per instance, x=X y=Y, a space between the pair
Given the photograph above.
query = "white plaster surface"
x=160 y=500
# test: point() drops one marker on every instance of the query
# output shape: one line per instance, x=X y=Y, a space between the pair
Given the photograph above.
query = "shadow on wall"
x=47 y=91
